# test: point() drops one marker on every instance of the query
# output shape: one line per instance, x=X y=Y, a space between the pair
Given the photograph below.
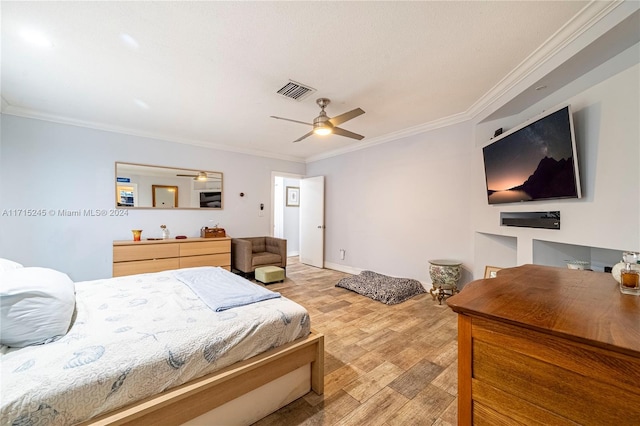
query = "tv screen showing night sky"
x=533 y=163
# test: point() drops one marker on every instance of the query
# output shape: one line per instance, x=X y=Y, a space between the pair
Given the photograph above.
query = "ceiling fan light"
x=202 y=176
x=321 y=125
x=322 y=131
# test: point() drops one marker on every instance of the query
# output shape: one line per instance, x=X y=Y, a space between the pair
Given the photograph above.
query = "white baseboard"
x=293 y=253
x=342 y=268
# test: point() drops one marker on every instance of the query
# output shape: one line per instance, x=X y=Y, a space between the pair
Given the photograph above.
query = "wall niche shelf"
x=551 y=253
x=502 y=251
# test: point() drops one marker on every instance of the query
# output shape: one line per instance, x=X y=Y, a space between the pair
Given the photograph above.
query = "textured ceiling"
x=207 y=72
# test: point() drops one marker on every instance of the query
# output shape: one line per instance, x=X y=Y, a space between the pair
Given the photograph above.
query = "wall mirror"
x=146 y=186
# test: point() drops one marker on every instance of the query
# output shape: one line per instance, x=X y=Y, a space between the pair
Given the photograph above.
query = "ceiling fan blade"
x=288 y=119
x=187 y=175
x=339 y=119
x=303 y=137
x=342 y=132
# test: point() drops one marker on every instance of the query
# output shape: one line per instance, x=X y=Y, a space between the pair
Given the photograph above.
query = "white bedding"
x=133 y=337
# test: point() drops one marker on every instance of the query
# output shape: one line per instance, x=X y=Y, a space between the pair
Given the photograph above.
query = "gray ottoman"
x=269 y=274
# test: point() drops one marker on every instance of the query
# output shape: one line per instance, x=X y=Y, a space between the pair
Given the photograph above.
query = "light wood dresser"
x=138 y=257
x=547 y=346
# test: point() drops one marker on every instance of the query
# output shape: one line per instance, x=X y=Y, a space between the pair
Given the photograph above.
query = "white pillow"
x=36 y=306
x=8 y=265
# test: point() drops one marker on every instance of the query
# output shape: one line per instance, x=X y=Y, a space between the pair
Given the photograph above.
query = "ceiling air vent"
x=295 y=91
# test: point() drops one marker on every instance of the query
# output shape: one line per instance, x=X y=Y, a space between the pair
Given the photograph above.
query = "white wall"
x=608 y=139
x=54 y=166
x=394 y=206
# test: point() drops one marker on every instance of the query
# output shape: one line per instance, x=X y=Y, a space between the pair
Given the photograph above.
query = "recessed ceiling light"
x=142 y=104
x=36 y=38
x=129 y=41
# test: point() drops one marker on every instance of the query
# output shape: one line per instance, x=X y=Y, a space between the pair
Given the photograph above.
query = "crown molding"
x=570 y=31
x=389 y=137
x=27 y=113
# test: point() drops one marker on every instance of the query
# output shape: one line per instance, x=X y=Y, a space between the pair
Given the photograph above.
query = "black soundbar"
x=545 y=220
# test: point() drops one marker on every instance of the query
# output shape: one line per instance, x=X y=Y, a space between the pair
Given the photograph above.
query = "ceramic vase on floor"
x=445 y=272
x=445 y=275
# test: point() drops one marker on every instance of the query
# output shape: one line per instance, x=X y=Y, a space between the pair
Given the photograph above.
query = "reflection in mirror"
x=139 y=185
x=165 y=196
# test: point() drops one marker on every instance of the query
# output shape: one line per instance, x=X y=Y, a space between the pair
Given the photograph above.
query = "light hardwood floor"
x=384 y=365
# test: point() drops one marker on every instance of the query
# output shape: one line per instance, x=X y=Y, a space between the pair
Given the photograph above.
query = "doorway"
x=285 y=219
x=300 y=223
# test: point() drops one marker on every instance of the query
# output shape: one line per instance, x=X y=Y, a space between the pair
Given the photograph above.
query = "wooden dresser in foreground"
x=138 y=257
x=542 y=345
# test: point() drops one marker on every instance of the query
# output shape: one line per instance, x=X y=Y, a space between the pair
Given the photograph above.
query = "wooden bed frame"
x=192 y=399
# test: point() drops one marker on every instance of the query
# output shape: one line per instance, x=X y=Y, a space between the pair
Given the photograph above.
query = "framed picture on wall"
x=293 y=196
x=491 y=271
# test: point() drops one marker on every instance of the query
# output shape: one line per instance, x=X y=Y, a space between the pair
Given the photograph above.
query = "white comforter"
x=133 y=337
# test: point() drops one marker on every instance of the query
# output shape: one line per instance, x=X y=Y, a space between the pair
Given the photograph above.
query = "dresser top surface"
x=583 y=306
x=169 y=240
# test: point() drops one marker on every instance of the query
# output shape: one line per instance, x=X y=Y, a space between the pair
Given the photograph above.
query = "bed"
x=146 y=349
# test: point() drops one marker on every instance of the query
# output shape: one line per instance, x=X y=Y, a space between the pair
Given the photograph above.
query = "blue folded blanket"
x=220 y=290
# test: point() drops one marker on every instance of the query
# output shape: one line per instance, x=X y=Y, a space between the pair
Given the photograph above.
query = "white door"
x=312 y=221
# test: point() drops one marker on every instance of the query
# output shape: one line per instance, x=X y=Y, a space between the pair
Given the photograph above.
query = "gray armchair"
x=249 y=253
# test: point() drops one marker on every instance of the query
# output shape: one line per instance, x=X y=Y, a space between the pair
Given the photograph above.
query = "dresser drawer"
x=205 y=247
x=144 y=266
x=222 y=259
x=145 y=252
x=503 y=377
x=155 y=256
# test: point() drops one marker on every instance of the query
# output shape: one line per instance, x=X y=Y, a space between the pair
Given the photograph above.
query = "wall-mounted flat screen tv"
x=534 y=161
x=211 y=199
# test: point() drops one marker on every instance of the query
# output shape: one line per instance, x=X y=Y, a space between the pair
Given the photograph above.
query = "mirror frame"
x=164 y=171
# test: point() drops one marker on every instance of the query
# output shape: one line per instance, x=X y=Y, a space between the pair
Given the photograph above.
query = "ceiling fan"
x=323 y=125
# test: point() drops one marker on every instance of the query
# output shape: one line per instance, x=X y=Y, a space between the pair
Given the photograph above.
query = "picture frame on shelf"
x=293 y=196
x=491 y=271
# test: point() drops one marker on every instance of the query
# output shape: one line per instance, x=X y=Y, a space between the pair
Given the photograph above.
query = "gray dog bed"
x=389 y=290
